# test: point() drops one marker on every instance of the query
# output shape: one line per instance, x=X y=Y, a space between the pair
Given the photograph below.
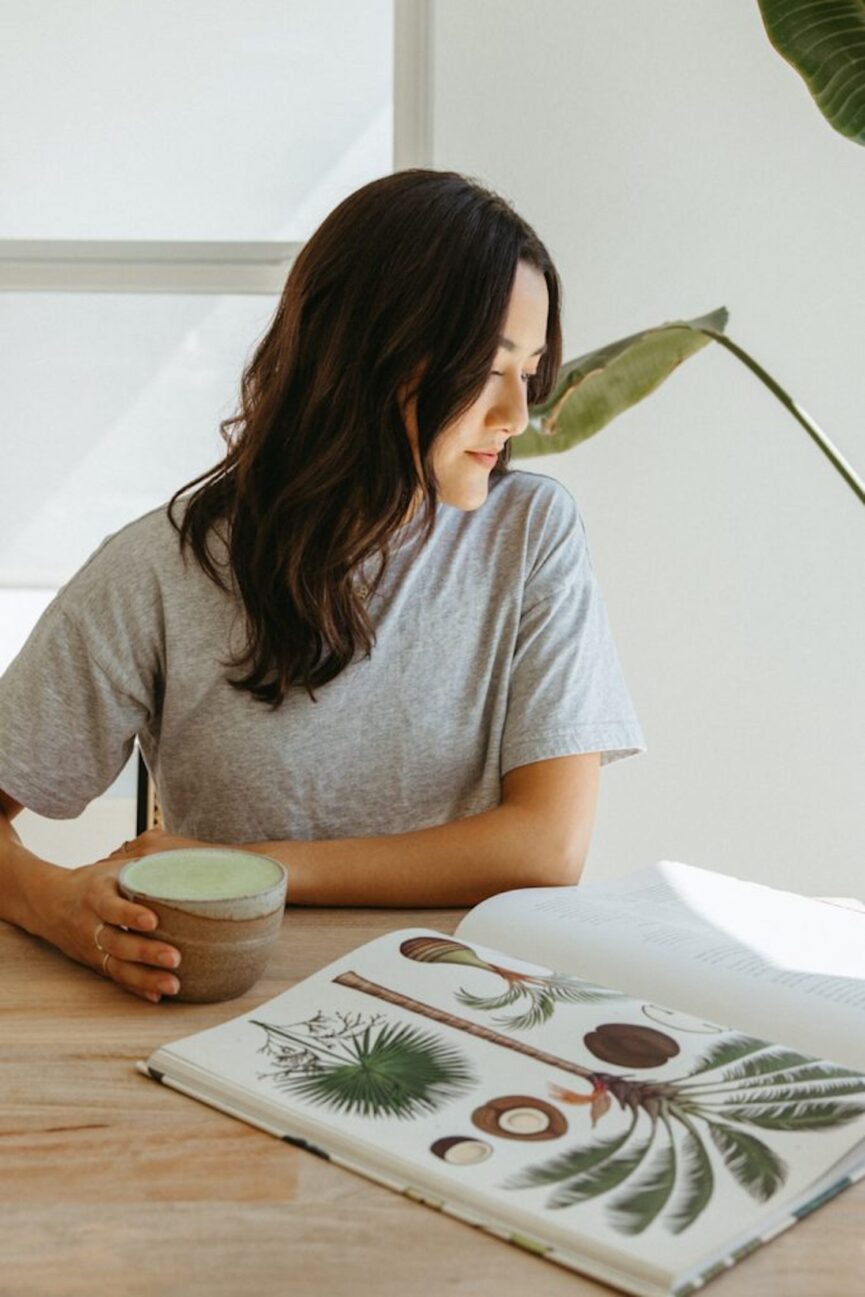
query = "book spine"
x=739 y=1253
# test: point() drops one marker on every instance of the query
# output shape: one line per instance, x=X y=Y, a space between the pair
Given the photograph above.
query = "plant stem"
x=831 y=452
x=313 y=1045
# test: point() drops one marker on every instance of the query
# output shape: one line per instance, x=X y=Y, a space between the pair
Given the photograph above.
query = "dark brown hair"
x=410 y=275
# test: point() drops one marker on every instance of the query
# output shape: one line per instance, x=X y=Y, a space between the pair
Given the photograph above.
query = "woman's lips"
x=489 y=460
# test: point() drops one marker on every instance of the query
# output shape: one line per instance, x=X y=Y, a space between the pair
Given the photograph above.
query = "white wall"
x=206 y=121
x=673 y=163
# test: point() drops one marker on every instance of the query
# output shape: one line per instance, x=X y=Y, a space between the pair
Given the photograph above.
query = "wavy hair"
x=403 y=289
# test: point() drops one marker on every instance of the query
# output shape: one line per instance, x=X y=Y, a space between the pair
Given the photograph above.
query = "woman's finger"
x=128 y=960
x=132 y=949
x=113 y=907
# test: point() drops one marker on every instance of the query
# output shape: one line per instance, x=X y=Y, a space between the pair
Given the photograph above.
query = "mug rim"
x=208 y=900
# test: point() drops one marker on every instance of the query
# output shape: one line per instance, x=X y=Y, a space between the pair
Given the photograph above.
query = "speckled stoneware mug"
x=221 y=908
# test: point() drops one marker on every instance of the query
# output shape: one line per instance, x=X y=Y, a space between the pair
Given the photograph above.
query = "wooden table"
x=113 y=1185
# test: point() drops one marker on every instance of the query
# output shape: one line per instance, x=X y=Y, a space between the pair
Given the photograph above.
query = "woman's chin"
x=463 y=496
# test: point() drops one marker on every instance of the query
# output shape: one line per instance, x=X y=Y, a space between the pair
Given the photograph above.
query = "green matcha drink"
x=207 y=874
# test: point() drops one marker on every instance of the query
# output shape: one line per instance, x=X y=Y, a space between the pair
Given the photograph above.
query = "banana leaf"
x=595 y=388
x=825 y=44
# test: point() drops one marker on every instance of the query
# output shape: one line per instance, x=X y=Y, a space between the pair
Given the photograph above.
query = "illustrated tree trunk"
x=358 y=983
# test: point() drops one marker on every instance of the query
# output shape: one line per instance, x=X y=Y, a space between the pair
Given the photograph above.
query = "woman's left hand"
x=153 y=840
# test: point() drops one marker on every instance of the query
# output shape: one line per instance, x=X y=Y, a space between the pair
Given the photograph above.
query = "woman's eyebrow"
x=512 y=346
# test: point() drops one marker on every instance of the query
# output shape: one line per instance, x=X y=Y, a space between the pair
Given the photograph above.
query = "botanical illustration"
x=520 y=1116
x=658 y=1168
x=461 y=1150
x=760 y=1085
x=662 y=1157
x=630 y=1044
x=362 y=1063
x=542 y=993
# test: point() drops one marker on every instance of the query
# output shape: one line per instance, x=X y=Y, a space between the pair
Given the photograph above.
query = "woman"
x=360 y=644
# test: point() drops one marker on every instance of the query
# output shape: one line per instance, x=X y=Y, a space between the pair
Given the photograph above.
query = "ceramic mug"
x=221 y=908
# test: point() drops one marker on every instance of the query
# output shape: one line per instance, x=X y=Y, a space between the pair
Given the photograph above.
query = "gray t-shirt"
x=493 y=650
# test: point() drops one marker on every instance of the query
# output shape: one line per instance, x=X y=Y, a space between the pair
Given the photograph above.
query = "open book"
x=629 y=1078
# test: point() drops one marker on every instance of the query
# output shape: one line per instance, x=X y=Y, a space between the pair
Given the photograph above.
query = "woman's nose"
x=511 y=410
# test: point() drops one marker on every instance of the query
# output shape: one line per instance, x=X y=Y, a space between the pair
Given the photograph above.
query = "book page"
x=535 y=1104
x=787 y=967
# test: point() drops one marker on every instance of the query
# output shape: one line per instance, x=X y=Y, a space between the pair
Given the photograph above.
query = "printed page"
x=787 y=967
x=557 y=1109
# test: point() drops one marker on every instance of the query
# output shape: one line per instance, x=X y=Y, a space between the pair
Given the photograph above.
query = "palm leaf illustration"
x=772 y=1059
x=808 y=1072
x=698 y=1180
x=648 y=1196
x=761 y=1085
x=756 y=1167
x=727 y=1051
x=796 y=1116
x=375 y=1070
x=543 y=991
x=574 y=1162
x=510 y=996
x=778 y=1093
x=607 y=1175
x=543 y=1005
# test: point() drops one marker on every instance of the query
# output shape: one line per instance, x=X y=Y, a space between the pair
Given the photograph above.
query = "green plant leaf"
x=542 y=1009
x=756 y=1166
x=728 y=1050
x=770 y=1092
x=825 y=43
x=573 y=1162
x=573 y=991
x=635 y=1210
x=487 y=1002
x=398 y=1071
x=772 y=1060
x=604 y=1177
x=812 y=1072
x=797 y=1116
x=593 y=389
x=697 y=1180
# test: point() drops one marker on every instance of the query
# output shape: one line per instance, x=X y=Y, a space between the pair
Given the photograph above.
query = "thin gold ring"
x=96 y=935
x=105 y=959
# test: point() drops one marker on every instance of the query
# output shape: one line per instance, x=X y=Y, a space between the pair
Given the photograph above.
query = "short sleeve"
x=567 y=693
x=73 y=700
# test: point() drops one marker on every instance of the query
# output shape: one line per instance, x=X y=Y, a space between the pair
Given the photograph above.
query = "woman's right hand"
x=83 y=899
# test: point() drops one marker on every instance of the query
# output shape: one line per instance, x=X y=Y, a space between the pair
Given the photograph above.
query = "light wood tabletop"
x=112 y=1184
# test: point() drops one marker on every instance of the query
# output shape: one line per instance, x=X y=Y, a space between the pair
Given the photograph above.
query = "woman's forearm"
x=457 y=864
x=24 y=879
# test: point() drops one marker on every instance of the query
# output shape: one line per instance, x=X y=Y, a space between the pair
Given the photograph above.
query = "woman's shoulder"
x=541 y=502
x=140 y=556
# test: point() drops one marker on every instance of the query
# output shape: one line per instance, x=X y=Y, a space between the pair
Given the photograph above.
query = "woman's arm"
x=537 y=837
x=72 y=907
x=24 y=877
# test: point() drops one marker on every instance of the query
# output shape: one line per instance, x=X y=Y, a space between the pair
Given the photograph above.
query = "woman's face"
x=501 y=411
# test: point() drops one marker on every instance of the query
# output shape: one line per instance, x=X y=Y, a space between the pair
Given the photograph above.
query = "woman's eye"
x=498 y=373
